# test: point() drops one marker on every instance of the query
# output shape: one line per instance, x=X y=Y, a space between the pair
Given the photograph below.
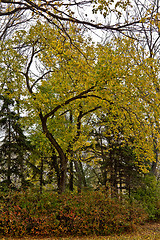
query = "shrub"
x=68 y=214
x=148 y=194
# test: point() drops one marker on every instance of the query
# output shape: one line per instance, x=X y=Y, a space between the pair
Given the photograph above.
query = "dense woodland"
x=79 y=114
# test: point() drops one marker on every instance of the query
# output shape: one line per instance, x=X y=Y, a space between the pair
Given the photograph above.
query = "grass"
x=150 y=231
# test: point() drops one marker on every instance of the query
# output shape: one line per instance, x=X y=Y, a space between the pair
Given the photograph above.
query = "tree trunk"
x=62 y=183
x=56 y=167
x=71 y=176
x=83 y=175
x=154 y=164
x=9 y=155
x=79 y=184
x=41 y=176
x=62 y=155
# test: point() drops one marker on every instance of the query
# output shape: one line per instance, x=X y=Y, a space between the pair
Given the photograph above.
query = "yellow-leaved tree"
x=65 y=84
x=61 y=91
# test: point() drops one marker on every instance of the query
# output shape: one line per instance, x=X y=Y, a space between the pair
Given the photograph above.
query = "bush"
x=68 y=214
x=148 y=194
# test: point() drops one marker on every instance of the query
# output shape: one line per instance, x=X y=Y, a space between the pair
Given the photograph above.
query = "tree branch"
x=79 y=96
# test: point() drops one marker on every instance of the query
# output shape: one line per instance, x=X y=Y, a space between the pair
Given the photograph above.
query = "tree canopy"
x=67 y=87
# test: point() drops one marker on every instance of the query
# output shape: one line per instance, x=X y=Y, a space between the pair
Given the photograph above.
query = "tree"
x=13 y=142
x=125 y=146
x=59 y=61
x=146 y=32
x=66 y=87
x=57 y=13
x=14 y=146
x=116 y=165
x=149 y=38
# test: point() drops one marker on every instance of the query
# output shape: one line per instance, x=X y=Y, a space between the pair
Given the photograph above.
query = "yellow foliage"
x=77 y=82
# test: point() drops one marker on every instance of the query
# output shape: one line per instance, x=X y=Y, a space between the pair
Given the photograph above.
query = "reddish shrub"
x=67 y=214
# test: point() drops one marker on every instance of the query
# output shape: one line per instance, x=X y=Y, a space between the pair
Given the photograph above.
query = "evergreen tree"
x=13 y=146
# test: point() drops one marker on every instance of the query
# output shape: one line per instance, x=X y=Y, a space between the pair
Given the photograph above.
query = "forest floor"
x=150 y=231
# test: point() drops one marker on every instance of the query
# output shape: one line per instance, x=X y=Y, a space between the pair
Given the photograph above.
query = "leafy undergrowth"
x=150 y=231
x=86 y=214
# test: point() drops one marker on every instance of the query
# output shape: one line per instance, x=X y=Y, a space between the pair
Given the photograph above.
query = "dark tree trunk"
x=71 y=176
x=82 y=174
x=41 y=175
x=56 y=167
x=79 y=176
x=154 y=164
x=62 y=156
x=62 y=183
x=9 y=155
x=104 y=174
